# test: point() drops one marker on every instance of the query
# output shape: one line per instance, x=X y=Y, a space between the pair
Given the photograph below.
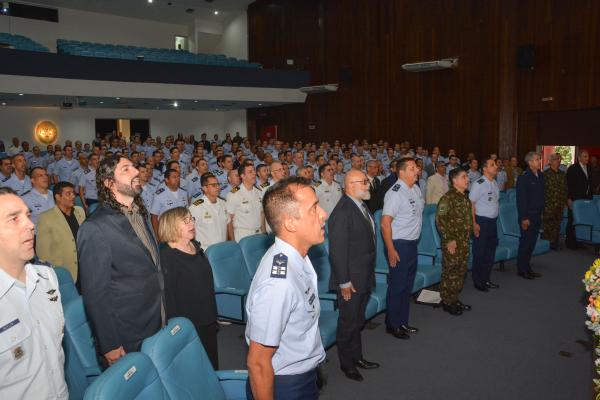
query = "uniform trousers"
x=400 y=283
x=240 y=233
x=484 y=249
x=350 y=323
x=552 y=220
x=292 y=387
x=527 y=242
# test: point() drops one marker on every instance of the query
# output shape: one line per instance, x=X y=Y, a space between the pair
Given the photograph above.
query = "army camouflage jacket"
x=454 y=218
x=555 y=189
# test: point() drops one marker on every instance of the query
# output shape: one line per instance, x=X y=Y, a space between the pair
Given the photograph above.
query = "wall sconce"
x=46 y=132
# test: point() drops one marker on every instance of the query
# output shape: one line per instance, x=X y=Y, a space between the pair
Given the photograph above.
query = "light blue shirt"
x=38 y=203
x=164 y=200
x=36 y=162
x=485 y=194
x=19 y=186
x=405 y=206
x=192 y=184
x=148 y=194
x=88 y=182
x=65 y=170
x=283 y=310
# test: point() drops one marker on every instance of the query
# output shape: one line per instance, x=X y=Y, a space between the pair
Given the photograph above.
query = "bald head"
x=356 y=185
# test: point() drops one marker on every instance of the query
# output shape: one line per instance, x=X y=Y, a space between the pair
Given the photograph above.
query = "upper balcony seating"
x=19 y=42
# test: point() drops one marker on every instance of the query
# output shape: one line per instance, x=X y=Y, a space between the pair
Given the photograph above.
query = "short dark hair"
x=260 y=166
x=322 y=169
x=205 y=177
x=169 y=171
x=60 y=186
x=403 y=163
x=281 y=199
x=242 y=167
x=36 y=168
x=6 y=190
x=171 y=163
x=455 y=174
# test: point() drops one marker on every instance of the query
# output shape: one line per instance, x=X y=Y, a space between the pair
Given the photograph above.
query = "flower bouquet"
x=592 y=286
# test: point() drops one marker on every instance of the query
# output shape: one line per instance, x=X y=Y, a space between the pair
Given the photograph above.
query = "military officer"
x=328 y=191
x=148 y=188
x=5 y=170
x=210 y=212
x=88 y=190
x=401 y=222
x=167 y=197
x=19 y=181
x=244 y=206
x=36 y=159
x=31 y=314
x=66 y=166
x=473 y=172
x=39 y=198
x=555 y=198
x=484 y=197
x=454 y=222
x=283 y=307
x=193 y=182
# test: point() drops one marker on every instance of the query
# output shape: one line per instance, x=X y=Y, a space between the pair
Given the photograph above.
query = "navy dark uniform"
x=484 y=195
x=283 y=311
x=530 y=204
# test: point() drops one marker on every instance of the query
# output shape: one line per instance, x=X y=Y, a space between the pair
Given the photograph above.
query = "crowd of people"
x=100 y=209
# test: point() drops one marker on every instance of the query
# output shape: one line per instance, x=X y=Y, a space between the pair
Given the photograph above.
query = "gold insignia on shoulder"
x=198 y=202
x=235 y=189
x=317 y=183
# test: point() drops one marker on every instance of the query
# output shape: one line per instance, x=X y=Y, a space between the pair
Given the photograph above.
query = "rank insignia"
x=18 y=353
x=54 y=298
x=279 y=268
x=51 y=291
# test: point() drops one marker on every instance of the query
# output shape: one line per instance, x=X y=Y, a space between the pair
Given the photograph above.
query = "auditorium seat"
x=509 y=222
x=66 y=285
x=319 y=258
x=254 y=248
x=132 y=377
x=328 y=327
x=511 y=247
x=91 y=208
x=81 y=363
x=586 y=221
x=381 y=262
x=184 y=368
x=565 y=220
x=512 y=195
x=19 y=42
x=232 y=281
x=123 y=52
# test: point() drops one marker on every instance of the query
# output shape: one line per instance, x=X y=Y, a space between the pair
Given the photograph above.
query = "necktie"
x=368 y=217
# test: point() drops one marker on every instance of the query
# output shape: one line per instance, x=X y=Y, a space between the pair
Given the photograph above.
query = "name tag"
x=9 y=325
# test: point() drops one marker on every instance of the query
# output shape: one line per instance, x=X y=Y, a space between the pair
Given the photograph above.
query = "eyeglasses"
x=213 y=184
x=189 y=219
x=365 y=182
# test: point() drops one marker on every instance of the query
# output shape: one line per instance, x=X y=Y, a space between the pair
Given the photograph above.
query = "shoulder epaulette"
x=235 y=189
x=194 y=179
x=279 y=267
x=480 y=180
x=317 y=183
x=264 y=185
x=26 y=193
x=86 y=171
x=396 y=187
x=198 y=202
x=159 y=191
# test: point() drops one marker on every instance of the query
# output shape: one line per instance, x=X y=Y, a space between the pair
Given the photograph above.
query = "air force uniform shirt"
x=38 y=203
x=328 y=195
x=473 y=177
x=283 y=310
x=19 y=186
x=36 y=162
x=211 y=220
x=220 y=174
x=192 y=184
x=65 y=170
x=88 y=182
x=164 y=200
x=31 y=332
x=147 y=194
x=405 y=206
x=485 y=194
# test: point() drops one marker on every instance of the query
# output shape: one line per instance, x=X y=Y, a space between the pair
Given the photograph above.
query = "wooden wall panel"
x=485 y=105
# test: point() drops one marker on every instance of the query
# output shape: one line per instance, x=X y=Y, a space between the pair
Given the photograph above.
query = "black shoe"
x=353 y=374
x=398 y=333
x=364 y=364
x=535 y=274
x=482 y=288
x=491 y=285
x=525 y=275
x=409 y=329
x=463 y=307
x=452 y=309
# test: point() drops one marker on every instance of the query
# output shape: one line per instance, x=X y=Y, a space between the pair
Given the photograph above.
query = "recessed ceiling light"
x=195 y=101
x=175 y=104
x=20 y=94
x=260 y=104
x=3 y=103
x=216 y=12
x=101 y=102
x=150 y=1
x=216 y=109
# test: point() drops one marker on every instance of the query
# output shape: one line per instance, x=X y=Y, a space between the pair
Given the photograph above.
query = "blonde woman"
x=189 y=287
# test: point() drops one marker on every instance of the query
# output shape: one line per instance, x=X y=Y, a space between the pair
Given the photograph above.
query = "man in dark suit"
x=119 y=264
x=375 y=201
x=352 y=255
x=389 y=181
x=579 y=186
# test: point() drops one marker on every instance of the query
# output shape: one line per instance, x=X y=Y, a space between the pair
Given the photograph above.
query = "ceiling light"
x=216 y=12
x=150 y=1
x=216 y=109
x=175 y=104
x=195 y=101
x=101 y=102
x=3 y=103
x=20 y=94
x=260 y=104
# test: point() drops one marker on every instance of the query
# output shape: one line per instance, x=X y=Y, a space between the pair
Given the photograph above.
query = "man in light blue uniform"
x=39 y=198
x=19 y=181
x=283 y=305
x=168 y=196
x=401 y=222
x=88 y=189
x=484 y=196
x=65 y=167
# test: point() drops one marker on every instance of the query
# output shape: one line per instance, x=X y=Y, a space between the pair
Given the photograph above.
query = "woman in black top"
x=189 y=285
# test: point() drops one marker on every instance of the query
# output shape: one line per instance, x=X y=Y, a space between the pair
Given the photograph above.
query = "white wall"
x=80 y=123
x=95 y=27
x=234 y=41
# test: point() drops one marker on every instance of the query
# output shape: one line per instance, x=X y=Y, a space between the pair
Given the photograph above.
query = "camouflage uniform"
x=555 y=198
x=454 y=222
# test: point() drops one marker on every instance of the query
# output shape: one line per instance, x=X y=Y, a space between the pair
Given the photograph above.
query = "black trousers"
x=208 y=338
x=349 y=327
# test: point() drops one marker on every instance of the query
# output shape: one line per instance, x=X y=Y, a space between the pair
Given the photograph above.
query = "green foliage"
x=566 y=154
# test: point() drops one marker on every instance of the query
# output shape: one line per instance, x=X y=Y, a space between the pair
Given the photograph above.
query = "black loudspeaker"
x=345 y=75
x=526 y=56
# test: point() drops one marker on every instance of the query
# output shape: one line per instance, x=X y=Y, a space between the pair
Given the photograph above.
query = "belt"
x=405 y=241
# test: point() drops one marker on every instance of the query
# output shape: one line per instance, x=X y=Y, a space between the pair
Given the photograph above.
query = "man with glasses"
x=210 y=213
x=328 y=191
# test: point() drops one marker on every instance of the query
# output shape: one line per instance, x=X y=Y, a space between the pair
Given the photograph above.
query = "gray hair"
x=529 y=156
x=554 y=156
x=371 y=162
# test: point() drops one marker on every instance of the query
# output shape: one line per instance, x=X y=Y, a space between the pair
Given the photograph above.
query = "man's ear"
x=289 y=224
x=108 y=183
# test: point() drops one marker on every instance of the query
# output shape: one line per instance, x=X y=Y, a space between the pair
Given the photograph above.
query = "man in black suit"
x=579 y=186
x=375 y=201
x=352 y=255
x=389 y=181
x=119 y=264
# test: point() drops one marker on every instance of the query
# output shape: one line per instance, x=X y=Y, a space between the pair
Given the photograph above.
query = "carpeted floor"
x=526 y=340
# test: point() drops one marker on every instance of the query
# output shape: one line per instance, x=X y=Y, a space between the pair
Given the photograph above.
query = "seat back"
x=132 y=377
x=430 y=221
x=66 y=286
x=381 y=262
x=253 y=249
x=426 y=246
x=585 y=212
x=228 y=265
x=182 y=363
x=512 y=195
x=78 y=341
x=319 y=258
x=509 y=219
x=429 y=209
x=92 y=208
